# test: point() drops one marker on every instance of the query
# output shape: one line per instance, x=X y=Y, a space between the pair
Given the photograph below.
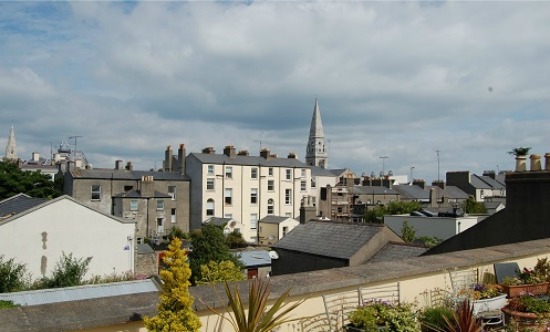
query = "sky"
x=434 y=86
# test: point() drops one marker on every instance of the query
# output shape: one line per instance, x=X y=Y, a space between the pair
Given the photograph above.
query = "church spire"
x=11 y=148
x=316 y=151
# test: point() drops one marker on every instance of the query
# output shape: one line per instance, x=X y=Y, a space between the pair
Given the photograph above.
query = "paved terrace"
x=415 y=275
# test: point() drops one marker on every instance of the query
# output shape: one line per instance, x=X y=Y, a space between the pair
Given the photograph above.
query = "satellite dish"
x=273 y=254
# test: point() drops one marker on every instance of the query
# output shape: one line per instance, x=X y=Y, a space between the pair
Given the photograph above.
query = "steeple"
x=316 y=151
x=11 y=148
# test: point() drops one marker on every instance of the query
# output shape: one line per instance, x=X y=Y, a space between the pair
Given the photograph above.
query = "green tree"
x=235 y=240
x=408 y=233
x=209 y=244
x=11 y=276
x=220 y=271
x=175 y=310
x=13 y=181
x=376 y=215
x=471 y=206
x=69 y=271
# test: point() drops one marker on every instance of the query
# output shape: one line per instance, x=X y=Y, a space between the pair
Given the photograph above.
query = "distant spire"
x=316 y=150
x=11 y=147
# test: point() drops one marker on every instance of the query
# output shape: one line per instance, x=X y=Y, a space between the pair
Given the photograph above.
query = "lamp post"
x=384 y=164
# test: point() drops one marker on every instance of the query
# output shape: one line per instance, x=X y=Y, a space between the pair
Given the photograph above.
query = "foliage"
x=540 y=273
x=481 y=291
x=408 y=232
x=125 y=276
x=471 y=206
x=377 y=214
x=13 y=181
x=69 y=271
x=430 y=241
x=208 y=245
x=11 y=276
x=177 y=232
x=175 y=310
x=254 y=316
x=433 y=318
x=220 y=271
x=7 y=304
x=529 y=303
x=235 y=240
x=521 y=151
x=377 y=315
x=463 y=319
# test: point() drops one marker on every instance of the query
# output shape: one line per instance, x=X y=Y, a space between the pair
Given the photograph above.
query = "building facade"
x=245 y=188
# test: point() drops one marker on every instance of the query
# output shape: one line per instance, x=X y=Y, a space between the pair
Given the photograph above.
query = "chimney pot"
x=535 y=162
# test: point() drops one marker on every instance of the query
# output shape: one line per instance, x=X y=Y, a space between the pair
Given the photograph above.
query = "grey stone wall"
x=146 y=264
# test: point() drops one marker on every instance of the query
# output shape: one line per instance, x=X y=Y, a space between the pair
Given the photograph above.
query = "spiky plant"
x=463 y=319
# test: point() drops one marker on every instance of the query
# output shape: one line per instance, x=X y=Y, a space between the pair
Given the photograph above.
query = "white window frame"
x=95 y=192
x=254 y=196
x=210 y=207
x=160 y=204
x=229 y=172
x=228 y=196
x=288 y=196
x=303 y=186
x=253 y=221
x=210 y=169
x=288 y=174
x=172 y=192
x=254 y=173
x=270 y=185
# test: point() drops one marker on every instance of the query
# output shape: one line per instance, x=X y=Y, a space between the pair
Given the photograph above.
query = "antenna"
x=384 y=164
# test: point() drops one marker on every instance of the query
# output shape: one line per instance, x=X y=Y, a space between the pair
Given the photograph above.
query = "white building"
x=37 y=232
x=245 y=188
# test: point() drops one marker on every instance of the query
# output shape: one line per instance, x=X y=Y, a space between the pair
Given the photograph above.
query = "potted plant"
x=433 y=319
x=529 y=311
x=528 y=281
x=376 y=315
x=484 y=297
x=521 y=156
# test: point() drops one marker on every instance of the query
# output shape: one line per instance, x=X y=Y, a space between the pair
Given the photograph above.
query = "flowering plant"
x=377 y=316
x=540 y=273
x=481 y=291
x=530 y=303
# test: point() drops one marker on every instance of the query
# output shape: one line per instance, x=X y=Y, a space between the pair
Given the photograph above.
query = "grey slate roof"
x=396 y=251
x=376 y=190
x=478 y=183
x=144 y=248
x=218 y=221
x=321 y=171
x=273 y=219
x=329 y=239
x=412 y=192
x=254 y=258
x=137 y=194
x=125 y=174
x=492 y=182
x=220 y=159
x=19 y=203
x=56 y=295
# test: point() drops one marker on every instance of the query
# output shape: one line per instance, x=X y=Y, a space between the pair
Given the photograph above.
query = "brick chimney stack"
x=229 y=151
x=168 y=159
x=181 y=159
x=264 y=153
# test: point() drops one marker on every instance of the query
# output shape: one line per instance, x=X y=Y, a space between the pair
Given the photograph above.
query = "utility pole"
x=75 y=145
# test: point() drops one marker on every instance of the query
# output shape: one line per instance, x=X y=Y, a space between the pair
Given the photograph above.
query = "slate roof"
x=19 y=203
x=330 y=239
x=218 y=221
x=452 y=192
x=478 y=183
x=396 y=251
x=220 y=159
x=125 y=174
x=274 y=219
x=254 y=258
x=137 y=194
x=144 y=248
x=377 y=190
x=321 y=171
x=492 y=182
x=412 y=192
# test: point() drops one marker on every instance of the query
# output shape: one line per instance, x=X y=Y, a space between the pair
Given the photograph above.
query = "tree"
x=235 y=240
x=220 y=271
x=11 y=276
x=209 y=244
x=175 y=310
x=69 y=271
x=471 y=206
x=376 y=215
x=408 y=233
x=13 y=181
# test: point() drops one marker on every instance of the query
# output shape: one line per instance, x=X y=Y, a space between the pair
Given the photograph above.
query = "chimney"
x=168 y=159
x=419 y=182
x=35 y=156
x=118 y=164
x=209 y=150
x=307 y=210
x=535 y=162
x=292 y=155
x=147 y=186
x=243 y=153
x=440 y=184
x=181 y=159
x=490 y=174
x=433 y=197
x=129 y=166
x=229 y=151
x=264 y=153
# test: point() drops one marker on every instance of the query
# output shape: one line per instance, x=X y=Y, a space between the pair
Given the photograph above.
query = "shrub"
x=11 y=276
x=69 y=271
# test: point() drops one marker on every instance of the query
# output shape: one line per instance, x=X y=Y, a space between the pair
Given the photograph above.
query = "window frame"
x=95 y=194
x=160 y=205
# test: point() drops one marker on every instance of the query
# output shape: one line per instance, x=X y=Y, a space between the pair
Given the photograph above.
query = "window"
x=313 y=183
x=303 y=185
x=228 y=196
x=253 y=220
x=270 y=185
x=210 y=184
x=288 y=196
x=210 y=169
x=288 y=174
x=160 y=204
x=254 y=173
x=133 y=205
x=254 y=196
x=270 y=171
x=160 y=221
x=173 y=215
x=270 y=207
x=96 y=192
x=285 y=230
x=229 y=172
x=172 y=192
x=210 y=207
x=228 y=215
x=303 y=172
x=128 y=188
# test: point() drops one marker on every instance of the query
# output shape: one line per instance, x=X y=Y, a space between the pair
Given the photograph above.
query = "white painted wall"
x=64 y=225
x=440 y=227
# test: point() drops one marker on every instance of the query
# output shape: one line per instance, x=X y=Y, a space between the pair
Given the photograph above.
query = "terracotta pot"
x=526 y=320
x=517 y=290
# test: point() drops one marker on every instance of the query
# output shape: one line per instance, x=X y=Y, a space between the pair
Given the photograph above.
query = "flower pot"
x=517 y=290
x=526 y=320
x=491 y=304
